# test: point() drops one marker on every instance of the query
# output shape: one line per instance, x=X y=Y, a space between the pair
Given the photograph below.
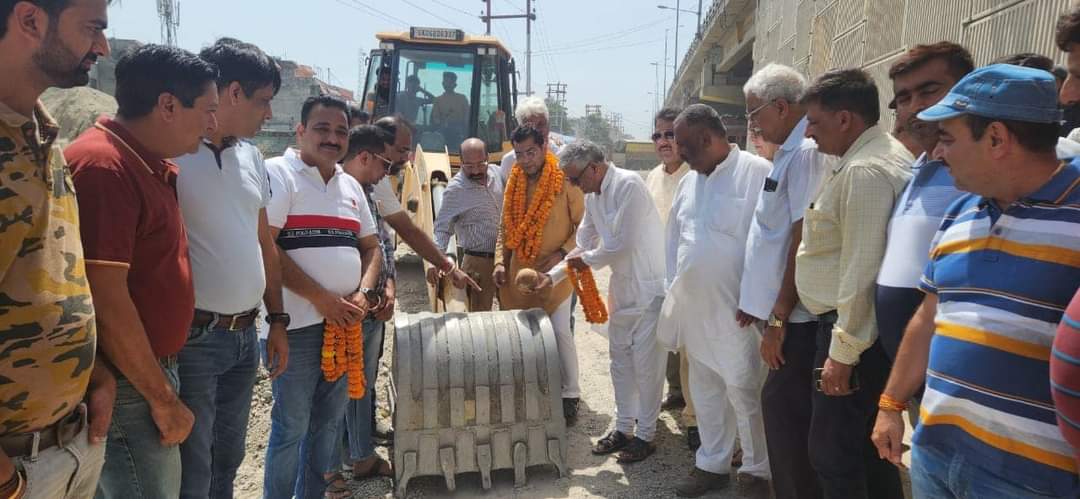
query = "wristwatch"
x=774 y=321
x=373 y=296
x=278 y=318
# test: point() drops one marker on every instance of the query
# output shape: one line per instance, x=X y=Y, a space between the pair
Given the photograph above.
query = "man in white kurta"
x=621 y=230
x=706 y=239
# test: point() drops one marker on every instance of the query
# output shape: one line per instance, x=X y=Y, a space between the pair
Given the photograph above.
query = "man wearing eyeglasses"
x=471 y=211
x=767 y=291
x=661 y=183
x=367 y=162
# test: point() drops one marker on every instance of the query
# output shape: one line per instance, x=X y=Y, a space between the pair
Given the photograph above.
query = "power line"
x=455 y=9
x=362 y=7
x=607 y=37
x=597 y=49
x=430 y=13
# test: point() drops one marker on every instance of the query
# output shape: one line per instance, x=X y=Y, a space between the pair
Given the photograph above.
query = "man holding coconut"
x=541 y=212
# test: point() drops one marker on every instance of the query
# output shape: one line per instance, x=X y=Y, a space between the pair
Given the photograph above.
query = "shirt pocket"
x=726 y=218
x=821 y=232
x=771 y=211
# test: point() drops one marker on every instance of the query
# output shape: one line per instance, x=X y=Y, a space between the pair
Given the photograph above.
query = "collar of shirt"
x=796 y=137
x=605 y=184
x=731 y=160
x=682 y=169
x=794 y=141
x=292 y=156
x=868 y=135
x=41 y=125
x=155 y=162
x=1060 y=186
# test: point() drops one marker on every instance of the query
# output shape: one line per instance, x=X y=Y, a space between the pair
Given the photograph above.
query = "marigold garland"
x=523 y=228
x=343 y=353
x=585 y=285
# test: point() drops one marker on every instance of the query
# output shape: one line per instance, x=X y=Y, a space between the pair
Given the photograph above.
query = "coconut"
x=527 y=280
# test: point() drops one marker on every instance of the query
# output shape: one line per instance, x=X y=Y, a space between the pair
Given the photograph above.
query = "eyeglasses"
x=670 y=135
x=576 y=180
x=387 y=164
x=750 y=115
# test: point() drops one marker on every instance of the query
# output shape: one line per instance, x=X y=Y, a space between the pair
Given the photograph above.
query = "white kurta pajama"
x=706 y=241
x=622 y=230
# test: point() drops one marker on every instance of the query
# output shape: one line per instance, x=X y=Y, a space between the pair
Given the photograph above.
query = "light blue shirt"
x=914 y=222
x=797 y=172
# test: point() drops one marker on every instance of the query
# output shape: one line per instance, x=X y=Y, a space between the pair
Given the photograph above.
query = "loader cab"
x=450 y=85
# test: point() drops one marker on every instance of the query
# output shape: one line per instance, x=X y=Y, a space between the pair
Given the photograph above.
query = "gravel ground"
x=590 y=476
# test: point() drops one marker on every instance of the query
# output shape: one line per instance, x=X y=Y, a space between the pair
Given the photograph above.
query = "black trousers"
x=786 y=405
x=846 y=461
x=894 y=308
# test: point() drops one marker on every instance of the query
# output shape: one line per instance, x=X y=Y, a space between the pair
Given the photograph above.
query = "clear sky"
x=602 y=49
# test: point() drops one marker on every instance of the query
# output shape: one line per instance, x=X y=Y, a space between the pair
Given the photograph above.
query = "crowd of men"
x=810 y=292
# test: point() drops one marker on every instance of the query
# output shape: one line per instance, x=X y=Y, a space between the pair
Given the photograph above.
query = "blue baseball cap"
x=1001 y=91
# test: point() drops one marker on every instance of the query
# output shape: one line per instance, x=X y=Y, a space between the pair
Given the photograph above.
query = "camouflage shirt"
x=47 y=336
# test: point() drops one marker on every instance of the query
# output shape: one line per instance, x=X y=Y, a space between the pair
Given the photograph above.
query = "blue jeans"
x=937 y=475
x=359 y=413
x=304 y=422
x=217 y=375
x=136 y=464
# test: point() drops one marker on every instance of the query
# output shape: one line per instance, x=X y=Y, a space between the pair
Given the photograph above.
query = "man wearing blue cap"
x=1003 y=267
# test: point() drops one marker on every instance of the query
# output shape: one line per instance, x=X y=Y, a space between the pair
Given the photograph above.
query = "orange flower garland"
x=343 y=353
x=524 y=228
x=585 y=285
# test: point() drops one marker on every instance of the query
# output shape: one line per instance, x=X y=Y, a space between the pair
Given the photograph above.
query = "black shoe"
x=614 y=441
x=635 y=451
x=673 y=401
x=700 y=482
x=569 y=409
x=383 y=438
x=693 y=438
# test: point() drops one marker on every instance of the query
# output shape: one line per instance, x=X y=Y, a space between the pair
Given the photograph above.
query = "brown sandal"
x=336 y=487
x=375 y=467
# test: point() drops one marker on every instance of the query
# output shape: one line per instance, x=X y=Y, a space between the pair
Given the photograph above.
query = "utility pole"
x=699 y=19
x=665 y=63
x=675 y=64
x=556 y=93
x=529 y=17
x=656 y=85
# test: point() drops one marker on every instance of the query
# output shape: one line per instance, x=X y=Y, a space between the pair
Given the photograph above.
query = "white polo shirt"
x=220 y=197
x=797 y=173
x=321 y=226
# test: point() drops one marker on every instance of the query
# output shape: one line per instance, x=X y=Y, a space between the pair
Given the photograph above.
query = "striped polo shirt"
x=321 y=224
x=1003 y=278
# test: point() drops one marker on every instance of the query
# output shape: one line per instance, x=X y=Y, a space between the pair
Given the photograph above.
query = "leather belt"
x=229 y=322
x=58 y=434
x=479 y=254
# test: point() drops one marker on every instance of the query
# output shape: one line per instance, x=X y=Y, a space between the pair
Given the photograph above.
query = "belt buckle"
x=232 y=323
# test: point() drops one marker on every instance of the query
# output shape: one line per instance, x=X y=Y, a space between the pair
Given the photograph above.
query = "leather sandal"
x=612 y=442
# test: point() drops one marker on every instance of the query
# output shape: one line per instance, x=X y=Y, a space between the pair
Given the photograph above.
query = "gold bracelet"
x=887 y=403
x=20 y=485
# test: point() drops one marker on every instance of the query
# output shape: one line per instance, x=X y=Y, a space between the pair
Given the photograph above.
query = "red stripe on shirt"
x=321 y=222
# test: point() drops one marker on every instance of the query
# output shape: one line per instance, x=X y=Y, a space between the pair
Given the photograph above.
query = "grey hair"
x=580 y=152
x=531 y=106
x=776 y=82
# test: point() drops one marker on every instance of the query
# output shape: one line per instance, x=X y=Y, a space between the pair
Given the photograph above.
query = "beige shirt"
x=662 y=185
x=844 y=235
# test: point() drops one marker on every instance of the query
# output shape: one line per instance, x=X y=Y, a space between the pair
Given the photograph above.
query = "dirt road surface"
x=590 y=476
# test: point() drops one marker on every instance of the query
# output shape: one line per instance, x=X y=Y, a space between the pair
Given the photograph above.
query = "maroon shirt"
x=130 y=218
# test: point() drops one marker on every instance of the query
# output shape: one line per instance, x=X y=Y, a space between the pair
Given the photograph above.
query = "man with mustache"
x=920 y=78
x=662 y=182
x=330 y=266
x=471 y=210
x=47 y=305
